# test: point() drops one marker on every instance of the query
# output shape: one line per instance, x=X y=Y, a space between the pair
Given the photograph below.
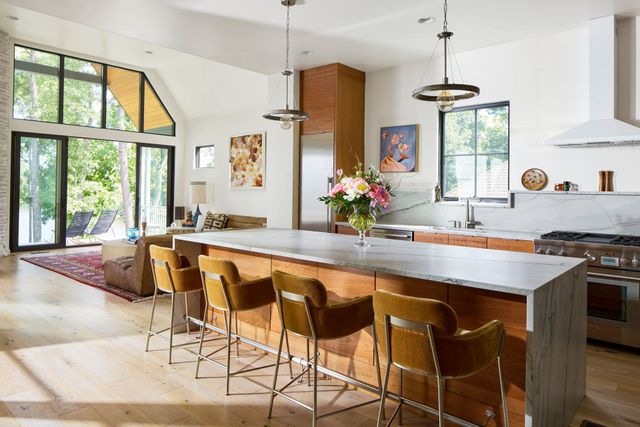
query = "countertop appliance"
x=316 y=179
x=613 y=280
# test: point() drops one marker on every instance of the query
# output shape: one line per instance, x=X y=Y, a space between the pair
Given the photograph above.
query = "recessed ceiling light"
x=148 y=52
x=427 y=20
x=307 y=52
x=13 y=18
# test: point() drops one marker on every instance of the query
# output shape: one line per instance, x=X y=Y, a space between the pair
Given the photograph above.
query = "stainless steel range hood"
x=602 y=128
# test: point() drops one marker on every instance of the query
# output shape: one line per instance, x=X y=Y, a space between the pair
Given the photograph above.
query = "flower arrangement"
x=361 y=196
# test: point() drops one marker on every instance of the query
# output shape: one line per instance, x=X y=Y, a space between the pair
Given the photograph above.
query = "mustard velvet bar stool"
x=171 y=274
x=421 y=335
x=226 y=291
x=305 y=311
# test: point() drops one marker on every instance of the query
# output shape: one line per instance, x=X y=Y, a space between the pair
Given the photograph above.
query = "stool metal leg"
x=440 y=402
x=376 y=359
x=227 y=324
x=202 y=329
x=503 y=393
x=153 y=310
x=400 y=396
x=308 y=359
x=315 y=381
x=383 y=394
x=186 y=316
x=286 y=337
x=275 y=375
x=173 y=306
x=235 y=315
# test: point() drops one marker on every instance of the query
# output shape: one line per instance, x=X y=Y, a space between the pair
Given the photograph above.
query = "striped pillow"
x=215 y=221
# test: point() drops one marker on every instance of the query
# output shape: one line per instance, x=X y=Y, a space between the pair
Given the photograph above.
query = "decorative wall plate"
x=534 y=179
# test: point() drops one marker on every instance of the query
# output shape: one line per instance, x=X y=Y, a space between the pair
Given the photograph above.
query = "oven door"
x=613 y=307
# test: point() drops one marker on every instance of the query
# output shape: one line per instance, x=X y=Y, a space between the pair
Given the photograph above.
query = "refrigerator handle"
x=329 y=186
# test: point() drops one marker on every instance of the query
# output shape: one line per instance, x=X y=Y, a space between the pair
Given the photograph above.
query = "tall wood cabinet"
x=333 y=95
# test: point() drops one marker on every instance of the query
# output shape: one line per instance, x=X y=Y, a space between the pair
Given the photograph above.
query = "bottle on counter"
x=436 y=194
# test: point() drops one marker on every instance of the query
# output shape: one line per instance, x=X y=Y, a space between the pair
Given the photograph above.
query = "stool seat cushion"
x=460 y=352
x=332 y=319
x=184 y=278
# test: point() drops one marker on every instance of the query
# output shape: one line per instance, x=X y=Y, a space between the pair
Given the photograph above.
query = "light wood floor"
x=74 y=355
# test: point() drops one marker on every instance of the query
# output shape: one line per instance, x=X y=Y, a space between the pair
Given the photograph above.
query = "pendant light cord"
x=445 y=23
x=286 y=60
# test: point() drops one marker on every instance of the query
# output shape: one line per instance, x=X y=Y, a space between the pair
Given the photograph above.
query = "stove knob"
x=635 y=261
x=624 y=261
x=589 y=257
x=550 y=252
x=540 y=251
x=562 y=252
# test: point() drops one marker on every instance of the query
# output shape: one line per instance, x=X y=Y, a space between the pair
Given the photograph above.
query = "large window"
x=85 y=94
x=475 y=153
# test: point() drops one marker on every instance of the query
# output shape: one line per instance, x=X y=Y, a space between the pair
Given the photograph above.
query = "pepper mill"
x=605 y=181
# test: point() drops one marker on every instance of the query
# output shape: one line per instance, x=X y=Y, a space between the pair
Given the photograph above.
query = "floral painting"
x=398 y=148
x=247 y=161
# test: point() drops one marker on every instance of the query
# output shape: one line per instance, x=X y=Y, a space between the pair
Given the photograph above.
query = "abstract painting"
x=398 y=148
x=247 y=161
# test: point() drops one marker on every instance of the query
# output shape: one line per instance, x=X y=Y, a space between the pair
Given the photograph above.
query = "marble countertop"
x=482 y=232
x=511 y=272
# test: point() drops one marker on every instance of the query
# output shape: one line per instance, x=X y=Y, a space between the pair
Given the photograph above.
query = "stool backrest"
x=295 y=296
x=407 y=328
x=163 y=260
x=216 y=275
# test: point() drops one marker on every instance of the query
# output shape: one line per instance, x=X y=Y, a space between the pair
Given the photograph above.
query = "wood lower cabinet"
x=439 y=238
x=345 y=229
x=469 y=241
x=510 y=245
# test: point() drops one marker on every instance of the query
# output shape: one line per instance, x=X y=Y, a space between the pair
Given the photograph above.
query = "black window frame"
x=196 y=158
x=475 y=108
x=61 y=220
x=103 y=113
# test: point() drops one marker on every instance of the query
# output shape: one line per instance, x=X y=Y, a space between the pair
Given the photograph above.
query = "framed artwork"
x=204 y=156
x=399 y=148
x=247 y=161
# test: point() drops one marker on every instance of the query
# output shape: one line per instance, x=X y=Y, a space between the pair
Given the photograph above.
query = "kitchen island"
x=541 y=300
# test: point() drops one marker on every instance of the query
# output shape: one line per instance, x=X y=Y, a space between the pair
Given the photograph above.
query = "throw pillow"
x=215 y=221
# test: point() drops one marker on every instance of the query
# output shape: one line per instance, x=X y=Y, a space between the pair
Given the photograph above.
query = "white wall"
x=275 y=201
x=546 y=81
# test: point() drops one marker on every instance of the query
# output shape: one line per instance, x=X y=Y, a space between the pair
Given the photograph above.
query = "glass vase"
x=361 y=220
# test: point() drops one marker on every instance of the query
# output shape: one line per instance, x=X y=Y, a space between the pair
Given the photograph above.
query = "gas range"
x=621 y=252
x=613 y=280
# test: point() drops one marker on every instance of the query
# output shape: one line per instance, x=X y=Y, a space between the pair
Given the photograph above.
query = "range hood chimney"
x=602 y=128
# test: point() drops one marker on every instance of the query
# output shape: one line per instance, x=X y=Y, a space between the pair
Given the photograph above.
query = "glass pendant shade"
x=445 y=94
x=287 y=115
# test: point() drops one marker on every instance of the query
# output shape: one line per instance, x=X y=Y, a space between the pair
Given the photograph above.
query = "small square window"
x=204 y=157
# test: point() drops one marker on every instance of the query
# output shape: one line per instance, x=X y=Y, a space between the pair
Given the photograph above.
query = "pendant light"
x=445 y=94
x=287 y=116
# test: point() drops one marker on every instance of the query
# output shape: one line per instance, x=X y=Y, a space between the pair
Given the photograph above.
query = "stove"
x=613 y=280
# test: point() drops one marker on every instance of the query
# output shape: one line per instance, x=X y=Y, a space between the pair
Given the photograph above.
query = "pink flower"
x=379 y=196
x=338 y=188
x=339 y=172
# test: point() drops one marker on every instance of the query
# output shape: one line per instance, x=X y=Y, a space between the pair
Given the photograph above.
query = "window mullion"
x=103 y=112
x=61 y=91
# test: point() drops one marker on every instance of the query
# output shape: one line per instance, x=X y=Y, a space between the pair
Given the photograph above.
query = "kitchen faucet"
x=470 y=220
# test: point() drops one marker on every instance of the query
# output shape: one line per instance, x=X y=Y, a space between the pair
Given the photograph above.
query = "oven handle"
x=613 y=276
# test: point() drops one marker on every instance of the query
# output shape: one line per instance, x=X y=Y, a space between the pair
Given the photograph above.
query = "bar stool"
x=226 y=291
x=305 y=311
x=421 y=335
x=172 y=274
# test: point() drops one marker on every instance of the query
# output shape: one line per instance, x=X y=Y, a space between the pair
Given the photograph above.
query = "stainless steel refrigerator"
x=316 y=178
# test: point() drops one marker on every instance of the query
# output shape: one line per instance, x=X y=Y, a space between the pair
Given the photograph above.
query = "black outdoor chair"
x=79 y=222
x=104 y=223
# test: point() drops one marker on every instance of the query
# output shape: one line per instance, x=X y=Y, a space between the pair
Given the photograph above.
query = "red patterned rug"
x=85 y=267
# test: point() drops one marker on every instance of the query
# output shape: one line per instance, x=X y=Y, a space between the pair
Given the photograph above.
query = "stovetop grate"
x=607 y=239
x=626 y=240
x=568 y=236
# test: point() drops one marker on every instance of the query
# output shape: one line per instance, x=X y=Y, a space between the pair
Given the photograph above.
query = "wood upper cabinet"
x=333 y=95
x=510 y=245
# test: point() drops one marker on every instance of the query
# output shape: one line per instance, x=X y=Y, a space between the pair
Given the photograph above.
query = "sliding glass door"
x=154 y=172
x=73 y=191
x=37 y=193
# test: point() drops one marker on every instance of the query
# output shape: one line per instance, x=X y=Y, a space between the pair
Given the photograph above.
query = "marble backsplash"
x=530 y=212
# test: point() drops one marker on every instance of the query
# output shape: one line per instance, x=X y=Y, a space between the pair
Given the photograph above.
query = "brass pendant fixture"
x=287 y=115
x=445 y=94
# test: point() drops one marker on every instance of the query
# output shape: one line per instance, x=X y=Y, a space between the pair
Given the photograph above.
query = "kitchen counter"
x=511 y=272
x=540 y=299
x=481 y=232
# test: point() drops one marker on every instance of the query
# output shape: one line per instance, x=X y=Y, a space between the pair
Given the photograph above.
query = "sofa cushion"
x=216 y=221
